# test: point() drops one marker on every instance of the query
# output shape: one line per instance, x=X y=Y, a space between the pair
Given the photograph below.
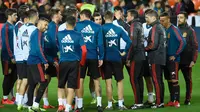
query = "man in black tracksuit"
x=135 y=57
x=189 y=54
x=156 y=49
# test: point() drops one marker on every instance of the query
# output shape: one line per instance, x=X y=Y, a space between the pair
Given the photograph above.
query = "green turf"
x=128 y=95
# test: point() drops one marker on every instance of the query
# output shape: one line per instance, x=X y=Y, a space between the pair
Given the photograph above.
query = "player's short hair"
x=165 y=14
x=108 y=15
x=133 y=13
x=118 y=8
x=147 y=10
x=71 y=20
x=86 y=12
x=22 y=13
x=69 y=12
x=185 y=14
x=96 y=14
x=53 y=12
x=10 y=12
x=44 y=19
x=152 y=13
x=32 y=13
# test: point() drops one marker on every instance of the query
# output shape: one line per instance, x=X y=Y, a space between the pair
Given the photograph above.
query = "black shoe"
x=137 y=106
x=79 y=110
x=187 y=102
x=100 y=109
x=158 y=106
x=148 y=104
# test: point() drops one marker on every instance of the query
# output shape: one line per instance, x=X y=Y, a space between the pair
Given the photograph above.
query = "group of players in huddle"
x=30 y=51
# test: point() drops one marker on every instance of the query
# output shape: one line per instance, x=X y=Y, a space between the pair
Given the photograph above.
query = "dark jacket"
x=156 y=47
x=136 y=51
x=190 y=53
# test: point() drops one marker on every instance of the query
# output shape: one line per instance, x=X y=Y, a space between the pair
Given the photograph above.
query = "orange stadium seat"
x=115 y=2
x=172 y=2
x=196 y=4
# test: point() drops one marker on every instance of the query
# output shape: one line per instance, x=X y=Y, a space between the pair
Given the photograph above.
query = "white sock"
x=150 y=97
x=45 y=101
x=68 y=108
x=109 y=104
x=76 y=101
x=99 y=101
x=35 y=105
x=120 y=103
x=20 y=98
x=64 y=100
x=60 y=101
x=17 y=97
x=93 y=95
x=34 y=99
x=25 y=99
x=80 y=102
x=5 y=97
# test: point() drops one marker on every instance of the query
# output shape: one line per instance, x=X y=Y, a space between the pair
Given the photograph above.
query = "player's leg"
x=19 y=79
x=92 y=90
x=187 y=73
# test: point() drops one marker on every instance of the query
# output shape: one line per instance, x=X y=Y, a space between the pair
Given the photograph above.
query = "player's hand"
x=123 y=53
x=128 y=63
x=46 y=66
x=172 y=58
x=191 y=64
x=13 y=61
x=100 y=63
x=55 y=63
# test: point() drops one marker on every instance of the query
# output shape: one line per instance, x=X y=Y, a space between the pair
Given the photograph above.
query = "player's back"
x=69 y=42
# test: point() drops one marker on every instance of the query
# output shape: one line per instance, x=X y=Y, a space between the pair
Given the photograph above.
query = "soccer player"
x=70 y=42
x=50 y=50
x=175 y=45
x=156 y=49
x=92 y=34
x=113 y=64
x=7 y=55
x=146 y=73
x=37 y=63
x=136 y=57
x=18 y=53
x=189 y=54
x=97 y=18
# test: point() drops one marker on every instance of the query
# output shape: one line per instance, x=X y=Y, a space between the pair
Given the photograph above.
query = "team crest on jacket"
x=185 y=34
x=168 y=35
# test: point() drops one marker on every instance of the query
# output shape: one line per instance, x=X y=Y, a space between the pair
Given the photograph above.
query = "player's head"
x=42 y=24
x=147 y=10
x=97 y=18
x=165 y=19
x=118 y=12
x=55 y=15
x=11 y=14
x=22 y=12
x=33 y=15
x=71 y=22
x=132 y=14
x=182 y=17
x=108 y=16
x=151 y=16
x=85 y=14
x=70 y=12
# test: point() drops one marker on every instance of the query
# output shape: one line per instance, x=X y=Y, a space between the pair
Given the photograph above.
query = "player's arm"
x=153 y=40
x=84 y=50
x=10 y=53
x=38 y=37
x=100 y=44
x=182 y=42
x=194 y=45
x=127 y=39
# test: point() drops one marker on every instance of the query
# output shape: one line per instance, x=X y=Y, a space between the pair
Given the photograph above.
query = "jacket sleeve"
x=182 y=42
x=153 y=39
x=84 y=50
x=39 y=50
x=100 y=44
x=194 y=45
x=127 y=39
x=7 y=31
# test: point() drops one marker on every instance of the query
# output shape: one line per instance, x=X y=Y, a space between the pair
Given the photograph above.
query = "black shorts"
x=52 y=70
x=22 y=70
x=36 y=73
x=93 y=69
x=113 y=68
x=8 y=68
x=69 y=73
x=171 y=70
x=146 y=71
